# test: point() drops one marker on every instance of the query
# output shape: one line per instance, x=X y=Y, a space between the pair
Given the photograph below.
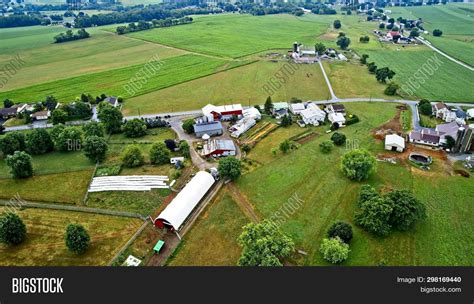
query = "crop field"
x=45 y=61
x=213 y=239
x=244 y=85
x=233 y=35
x=329 y=196
x=173 y=71
x=44 y=245
x=455 y=20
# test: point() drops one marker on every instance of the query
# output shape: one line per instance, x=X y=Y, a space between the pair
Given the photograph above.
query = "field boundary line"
x=128 y=243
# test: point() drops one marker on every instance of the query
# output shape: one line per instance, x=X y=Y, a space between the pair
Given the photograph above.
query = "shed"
x=158 y=246
x=176 y=213
x=296 y=108
x=394 y=142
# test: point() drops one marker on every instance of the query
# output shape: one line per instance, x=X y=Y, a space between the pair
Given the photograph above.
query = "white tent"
x=394 y=142
x=184 y=203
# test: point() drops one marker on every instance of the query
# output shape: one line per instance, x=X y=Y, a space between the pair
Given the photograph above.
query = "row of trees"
x=382 y=75
x=145 y=25
x=13 y=232
x=159 y=154
x=70 y=36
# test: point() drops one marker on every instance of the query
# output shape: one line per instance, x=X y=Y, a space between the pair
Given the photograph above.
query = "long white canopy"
x=184 y=203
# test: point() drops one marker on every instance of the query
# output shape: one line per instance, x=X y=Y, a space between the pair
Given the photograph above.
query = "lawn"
x=328 y=196
x=174 y=70
x=233 y=35
x=68 y=188
x=243 y=85
x=213 y=239
x=46 y=61
x=44 y=245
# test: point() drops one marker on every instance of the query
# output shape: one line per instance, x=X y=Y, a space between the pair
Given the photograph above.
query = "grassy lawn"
x=240 y=85
x=46 y=61
x=328 y=196
x=213 y=239
x=173 y=71
x=429 y=122
x=68 y=188
x=218 y=35
x=45 y=246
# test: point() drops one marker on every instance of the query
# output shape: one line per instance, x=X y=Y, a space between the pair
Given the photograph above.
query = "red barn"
x=223 y=112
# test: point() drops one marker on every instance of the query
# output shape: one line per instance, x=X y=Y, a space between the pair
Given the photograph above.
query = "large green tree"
x=12 y=229
x=132 y=156
x=358 y=164
x=334 y=250
x=20 y=164
x=188 y=126
x=159 y=154
x=39 y=141
x=230 y=167
x=93 y=128
x=320 y=48
x=341 y=230
x=77 y=239
x=374 y=216
x=268 y=106
x=343 y=42
x=59 y=117
x=425 y=107
x=95 y=148
x=263 y=244
x=110 y=116
x=68 y=139
x=11 y=142
x=406 y=209
x=134 y=128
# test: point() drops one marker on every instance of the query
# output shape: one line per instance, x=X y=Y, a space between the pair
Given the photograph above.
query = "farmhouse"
x=242 y=126
x=296 y=108
x=336 y=108
x=218 y=148
x=223 y=112
x=301 y=54
x=112 y=100
x=338 y=118
x=252 y=113
x=6 y=113
x=394 y=142
x=176 y=213
x=42 y=115
x=204 y=126
x=280 y=109
x=427 y=137
x=313 y=115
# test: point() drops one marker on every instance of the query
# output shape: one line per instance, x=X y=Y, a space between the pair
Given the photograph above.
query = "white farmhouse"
x=338 y=118
x=313 y=116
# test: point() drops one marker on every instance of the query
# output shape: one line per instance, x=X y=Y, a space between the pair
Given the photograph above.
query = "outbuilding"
x=181 y=207
x=394 y=142
x=213 y=128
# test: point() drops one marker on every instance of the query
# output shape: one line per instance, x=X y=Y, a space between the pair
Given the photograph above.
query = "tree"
x=286 y=121
x=338 y=138
x=95 y=148
x=425 y=107
x=246 y=148
x=132 y=156
x=77 y=239
x=170 y=144
x=268 y=107
x=437 y=33
x=50 y=102
x=12 y=229
x=134 y=128
x=230 y=167
x=285 y=146
x=11 y=142
x=320 y=48
x=367 y=192
x=334 y=250
x=59 y=117
x=263 y=244
x=343 y=42
x=110 y=116
x=383 y=74
x=450 y=142
x=391 y=89
x=341 y=230
x=414 y=33
x=159 y=154
x=364 y=39
x=363 y=59
x=20 y=164
x=82 y=110
x=326 y=146
x=188 y=126
x=337 y=24
x=374 y=216
x=184 y=148
x=7 y=103
x=2 y=129
x=69 y=139
x=358 y=164
x=406 y=209
x=39 y=141
x=372 y=67
x=381 y=26
x=93 y=128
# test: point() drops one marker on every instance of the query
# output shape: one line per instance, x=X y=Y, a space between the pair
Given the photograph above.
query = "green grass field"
x=44 y=245
x=233 y=35
x=239 y=85
x=455 y=20
x=213 y=239
x=46 y=61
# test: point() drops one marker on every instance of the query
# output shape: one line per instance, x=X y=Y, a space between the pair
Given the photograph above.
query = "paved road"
x=428 y=44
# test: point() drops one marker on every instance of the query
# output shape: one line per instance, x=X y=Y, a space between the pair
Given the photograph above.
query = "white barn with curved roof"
x=176 y=213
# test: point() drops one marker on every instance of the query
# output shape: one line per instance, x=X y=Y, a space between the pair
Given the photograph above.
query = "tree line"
x=145 y=25
x=70 y=36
